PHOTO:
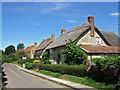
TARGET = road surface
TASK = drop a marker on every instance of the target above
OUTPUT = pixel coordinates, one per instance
(20, 79)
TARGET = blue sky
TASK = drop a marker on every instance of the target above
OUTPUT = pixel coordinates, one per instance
(32, 22)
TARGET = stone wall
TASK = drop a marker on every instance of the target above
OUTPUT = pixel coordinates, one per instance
(87, 39)
(38, 53)
(55, 53)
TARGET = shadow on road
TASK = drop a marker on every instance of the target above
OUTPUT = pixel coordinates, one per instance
(4, 79)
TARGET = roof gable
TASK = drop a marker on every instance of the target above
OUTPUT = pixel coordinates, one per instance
(110, 38)
(72, 34)
(29, 48)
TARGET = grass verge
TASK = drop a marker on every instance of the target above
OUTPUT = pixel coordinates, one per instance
(85, 81)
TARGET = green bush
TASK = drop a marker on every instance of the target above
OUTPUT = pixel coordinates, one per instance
(20, 61)
(29, 60)
(77, 70)
(106, 69)
(45, 58)
(29, 65)
(74, 54)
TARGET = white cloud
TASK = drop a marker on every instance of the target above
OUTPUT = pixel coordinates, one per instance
(54, 7)
(71, 21)
(37, 24)
(115, 14)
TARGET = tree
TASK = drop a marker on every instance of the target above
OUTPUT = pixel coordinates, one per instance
(21, 53)
(9, 49)
(20, 46)
(74, 53)
(3, 53)
(45, 58)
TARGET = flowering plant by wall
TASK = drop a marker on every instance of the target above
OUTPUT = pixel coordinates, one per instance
(36, 61)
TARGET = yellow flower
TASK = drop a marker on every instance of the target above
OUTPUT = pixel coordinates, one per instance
(36, 61)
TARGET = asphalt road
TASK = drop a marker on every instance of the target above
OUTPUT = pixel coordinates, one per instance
(20, 79)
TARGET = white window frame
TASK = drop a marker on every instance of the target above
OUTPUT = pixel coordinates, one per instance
(99, 40)
(50, 50)
(32, 51)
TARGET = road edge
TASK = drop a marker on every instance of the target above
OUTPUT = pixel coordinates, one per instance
(61, 81)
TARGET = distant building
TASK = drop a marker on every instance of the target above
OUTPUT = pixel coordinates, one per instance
(31, 50)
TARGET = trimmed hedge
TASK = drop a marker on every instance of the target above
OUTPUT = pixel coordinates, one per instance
(76, 70)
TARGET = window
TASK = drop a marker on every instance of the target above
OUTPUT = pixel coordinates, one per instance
(63, 48)
(50, 50)
(98, 40)
(32, 51)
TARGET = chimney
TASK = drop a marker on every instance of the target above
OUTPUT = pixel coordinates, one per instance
(91, 21)
(63, 30)
(53, 37)
(36, 43)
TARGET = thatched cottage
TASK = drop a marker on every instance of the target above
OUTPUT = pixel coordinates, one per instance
(42, 47)
(94, 42)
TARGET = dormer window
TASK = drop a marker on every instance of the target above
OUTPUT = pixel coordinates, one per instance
(98, 40)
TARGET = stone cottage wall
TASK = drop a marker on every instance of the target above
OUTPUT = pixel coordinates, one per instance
(87, 39)
(53, 54)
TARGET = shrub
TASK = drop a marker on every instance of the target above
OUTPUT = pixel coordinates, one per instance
(74, 53)
(29, 65)
(77, 70)
(20, 61)
(45, 58)
(106, 69)
(29, 60)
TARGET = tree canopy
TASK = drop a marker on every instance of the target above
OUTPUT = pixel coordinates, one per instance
(74, 53)
(21, 53)
(20, 46)
(10, 49)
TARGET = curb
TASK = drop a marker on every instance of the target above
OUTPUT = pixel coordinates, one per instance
(63, 82)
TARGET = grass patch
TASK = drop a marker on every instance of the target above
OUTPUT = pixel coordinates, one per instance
(85, 81)
(57, 75)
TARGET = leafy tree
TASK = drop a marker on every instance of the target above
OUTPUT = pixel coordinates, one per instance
(20, 46)
(9, 49)
(21, 53)
(3, 53)
(74, 53)
(45, 58)
(0, 57)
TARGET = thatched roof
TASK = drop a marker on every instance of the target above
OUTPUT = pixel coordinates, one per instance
(71, 34)
(44, 44)
(109, 37)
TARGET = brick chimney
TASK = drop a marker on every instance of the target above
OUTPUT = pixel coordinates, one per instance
(63, 30)
(36, 43)
(91, 21)
(53, 37)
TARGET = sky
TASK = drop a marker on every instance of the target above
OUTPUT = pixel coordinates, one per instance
(29, 22)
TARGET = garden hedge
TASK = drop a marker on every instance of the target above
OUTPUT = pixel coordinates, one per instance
(77, 70)
(29, 65)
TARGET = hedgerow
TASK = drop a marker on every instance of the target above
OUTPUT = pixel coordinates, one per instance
(77, 70)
